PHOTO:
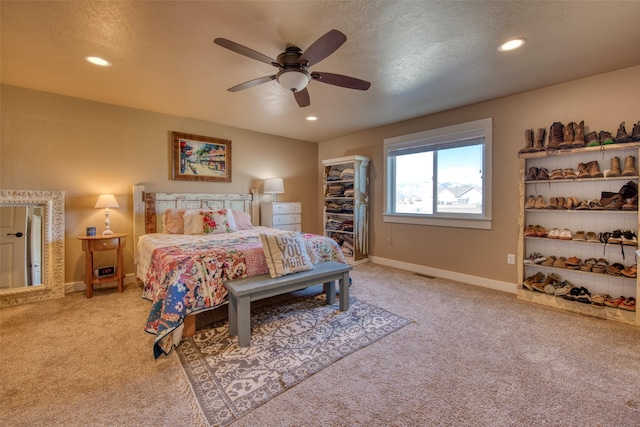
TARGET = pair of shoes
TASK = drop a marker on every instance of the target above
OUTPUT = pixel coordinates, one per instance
(631, 271)
(590, 170)
(584, 296)
(549, 262)
(614, 302)
(563, 288)
(572, 294)
(598, 300)
(629, 238)
(615, 269)
(535, 258)
(572, 203)
(530, 203)
(579, 236)
(600, 266)
(622, 136)
(592, 237)
(629, 304)
(573, 263)
(536, 278)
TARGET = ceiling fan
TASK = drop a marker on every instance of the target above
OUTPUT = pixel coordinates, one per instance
(293, 65)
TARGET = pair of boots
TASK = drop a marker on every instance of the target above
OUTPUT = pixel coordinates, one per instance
(566, 137)
(590, 170)
(533, 144)
(629, 167)
(622, 136)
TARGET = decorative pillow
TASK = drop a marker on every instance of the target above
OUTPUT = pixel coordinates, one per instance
(286, 253)
(216, 222)
(221, 222)
(243, 220)
(193, 222)
(173, 221)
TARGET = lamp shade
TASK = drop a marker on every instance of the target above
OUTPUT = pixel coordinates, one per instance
(293, 79)
(107, 201)
(273, 185)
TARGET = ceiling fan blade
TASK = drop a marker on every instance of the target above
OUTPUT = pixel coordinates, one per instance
(302, 97)
(252, 83)
(340, 80)
(243, 50)
(323, 47)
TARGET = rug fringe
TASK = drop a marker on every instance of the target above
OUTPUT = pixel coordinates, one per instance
(189, 399)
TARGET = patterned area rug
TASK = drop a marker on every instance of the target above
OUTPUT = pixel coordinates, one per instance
(290, 341)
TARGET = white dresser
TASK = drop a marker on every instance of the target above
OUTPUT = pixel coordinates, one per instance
(282, 215)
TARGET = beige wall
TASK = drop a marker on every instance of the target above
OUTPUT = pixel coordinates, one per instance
(52, 142)
(602, 101)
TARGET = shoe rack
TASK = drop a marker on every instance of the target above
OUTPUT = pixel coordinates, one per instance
(586, 188)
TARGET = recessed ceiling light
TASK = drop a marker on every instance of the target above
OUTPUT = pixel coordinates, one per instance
(97, 61)
(312, 118)
(512, 44)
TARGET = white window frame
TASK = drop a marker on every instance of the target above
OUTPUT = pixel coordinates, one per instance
(441, 136)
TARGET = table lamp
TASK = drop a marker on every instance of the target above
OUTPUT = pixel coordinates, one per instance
(107, 201)
(274, 186)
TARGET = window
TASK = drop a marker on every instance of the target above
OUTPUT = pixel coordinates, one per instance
(440, 176)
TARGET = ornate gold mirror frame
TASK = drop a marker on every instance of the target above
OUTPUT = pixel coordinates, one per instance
(52, 242)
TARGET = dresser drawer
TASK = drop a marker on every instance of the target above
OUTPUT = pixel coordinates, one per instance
(290, 227)
(287, 208)
(287, 219)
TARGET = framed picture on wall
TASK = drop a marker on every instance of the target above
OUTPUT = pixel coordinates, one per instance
(201, 158)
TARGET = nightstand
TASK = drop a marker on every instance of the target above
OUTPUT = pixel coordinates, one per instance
(91, 244)
(282, 215)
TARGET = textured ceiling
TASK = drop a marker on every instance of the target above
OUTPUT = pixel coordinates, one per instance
(420, 56)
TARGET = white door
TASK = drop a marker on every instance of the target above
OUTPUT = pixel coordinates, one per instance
(13, 246)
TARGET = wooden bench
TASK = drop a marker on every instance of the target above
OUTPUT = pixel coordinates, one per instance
(243, 291)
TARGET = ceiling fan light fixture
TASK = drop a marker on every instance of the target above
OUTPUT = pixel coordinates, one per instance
(293, 79)
(512, 44)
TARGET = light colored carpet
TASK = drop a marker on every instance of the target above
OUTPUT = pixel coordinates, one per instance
(471, 356)
(290, 341)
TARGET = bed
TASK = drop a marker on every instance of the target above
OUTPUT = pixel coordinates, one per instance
(182, 274)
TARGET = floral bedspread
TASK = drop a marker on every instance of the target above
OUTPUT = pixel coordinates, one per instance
(187, 278)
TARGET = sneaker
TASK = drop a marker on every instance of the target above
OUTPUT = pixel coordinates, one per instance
(565, 234)
(554, 233)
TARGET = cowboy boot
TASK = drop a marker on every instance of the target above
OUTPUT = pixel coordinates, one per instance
(594, 170)
(615, 167)
(592, 139)
(528, 141)
(539, 141)
(568, 136)
(555, 136)
(605, 138)
(622, 135)
(635, 133)
(629, 167)
(578, 140)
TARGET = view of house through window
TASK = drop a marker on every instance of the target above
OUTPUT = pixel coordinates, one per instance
(458, 184)
(439, 174)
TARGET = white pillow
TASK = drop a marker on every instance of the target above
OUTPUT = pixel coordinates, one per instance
(286, 253)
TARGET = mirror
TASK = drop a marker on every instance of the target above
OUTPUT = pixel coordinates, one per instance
(31, 246)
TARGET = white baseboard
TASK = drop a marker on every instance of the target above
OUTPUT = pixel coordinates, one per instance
(445, 274)
(81, 287)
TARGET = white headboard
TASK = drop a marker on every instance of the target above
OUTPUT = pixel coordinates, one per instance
(148, 208)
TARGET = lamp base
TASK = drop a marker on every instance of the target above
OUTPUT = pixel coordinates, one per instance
(107, 232)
